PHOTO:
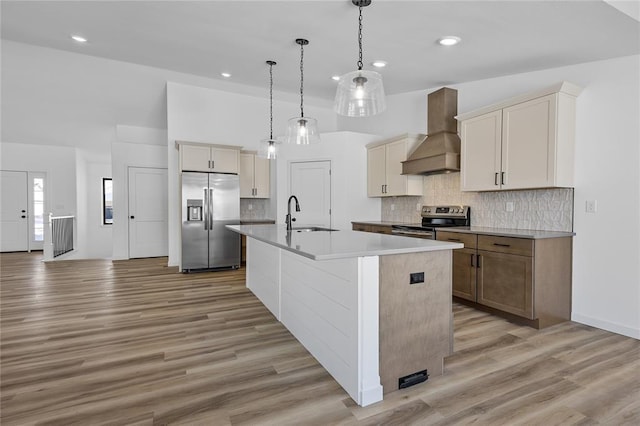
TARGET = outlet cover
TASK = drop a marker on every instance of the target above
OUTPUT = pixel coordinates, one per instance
(250, 207)
(509, 206)
(591, 206)
(393, 207)
(418, 207)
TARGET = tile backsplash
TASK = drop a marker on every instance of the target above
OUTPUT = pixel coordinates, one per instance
(540, 209)
(254, 208)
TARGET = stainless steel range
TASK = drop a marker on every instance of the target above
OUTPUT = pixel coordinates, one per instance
(433, 218)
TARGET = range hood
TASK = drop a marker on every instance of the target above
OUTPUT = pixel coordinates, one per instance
(439, 152)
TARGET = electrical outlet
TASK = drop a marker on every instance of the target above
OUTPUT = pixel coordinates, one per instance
(250, 207)
(393, 207)
(418, 207)
(591, 206)
(416, 278)
(509, 206)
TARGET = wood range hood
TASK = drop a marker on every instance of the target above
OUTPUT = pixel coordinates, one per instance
(439, 152)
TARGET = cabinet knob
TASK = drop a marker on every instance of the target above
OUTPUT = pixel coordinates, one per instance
(132, 217)
(23, 216)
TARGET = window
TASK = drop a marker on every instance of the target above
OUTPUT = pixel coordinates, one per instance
(38, 209)
(107, 201)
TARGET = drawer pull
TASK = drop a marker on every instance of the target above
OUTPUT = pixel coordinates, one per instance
(502, 245)
(454, 239)
(495, 179)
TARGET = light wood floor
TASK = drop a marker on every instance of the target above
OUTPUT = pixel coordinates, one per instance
(134, 342)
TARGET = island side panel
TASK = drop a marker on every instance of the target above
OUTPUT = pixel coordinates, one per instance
(263, 274)
(320, 308)
(415, 319)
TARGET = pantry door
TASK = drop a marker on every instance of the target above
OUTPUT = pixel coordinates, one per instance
(14, 216)
(148, 212)
(310, 182)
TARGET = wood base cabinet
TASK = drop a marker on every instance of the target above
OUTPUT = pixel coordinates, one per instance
(524, 279)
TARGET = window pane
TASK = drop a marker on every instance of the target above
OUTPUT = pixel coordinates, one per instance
(38, 209)
(107, 201)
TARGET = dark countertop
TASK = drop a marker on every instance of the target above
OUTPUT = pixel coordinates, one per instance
(360, 222)
(506, 232)
(257, 221)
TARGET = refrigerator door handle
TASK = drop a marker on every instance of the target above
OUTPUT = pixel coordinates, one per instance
(210, 208)
(206, 210)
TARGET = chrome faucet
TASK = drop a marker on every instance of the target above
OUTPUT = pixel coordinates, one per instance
(288, 220)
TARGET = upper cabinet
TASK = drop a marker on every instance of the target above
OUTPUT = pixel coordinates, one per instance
(524, 142)
(254, 176)
(384, 167)
(209, 158)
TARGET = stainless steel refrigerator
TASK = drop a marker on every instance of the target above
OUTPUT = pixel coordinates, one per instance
(209, 202)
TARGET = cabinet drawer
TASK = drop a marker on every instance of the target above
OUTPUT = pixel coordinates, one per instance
(360, 227)
(380, 229)
(469, 240)
(509, 245)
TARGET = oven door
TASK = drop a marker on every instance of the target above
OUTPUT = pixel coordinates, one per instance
(406, 231)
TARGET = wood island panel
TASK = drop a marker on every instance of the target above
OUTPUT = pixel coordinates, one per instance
(415, 319)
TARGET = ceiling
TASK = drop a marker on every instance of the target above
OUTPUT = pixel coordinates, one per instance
(206, 38)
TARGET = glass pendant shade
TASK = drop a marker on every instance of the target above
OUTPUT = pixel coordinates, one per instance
(268, 149)
(302, 131)
(360, 94)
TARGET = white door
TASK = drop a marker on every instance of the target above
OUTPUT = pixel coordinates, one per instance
(14, 217)
(148, 210)
(310, 182)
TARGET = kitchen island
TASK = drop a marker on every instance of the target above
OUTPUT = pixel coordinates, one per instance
(374, 310)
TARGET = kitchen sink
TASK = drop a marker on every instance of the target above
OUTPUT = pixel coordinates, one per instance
(312, 229)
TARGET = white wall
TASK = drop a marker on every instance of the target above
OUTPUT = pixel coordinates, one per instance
(606, 271)
(199, 114)
(348, 156)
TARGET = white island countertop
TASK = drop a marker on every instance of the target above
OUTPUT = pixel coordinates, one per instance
(326, 245)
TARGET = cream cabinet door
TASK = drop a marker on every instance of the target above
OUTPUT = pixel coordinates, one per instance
(376, 170)
(480, 167)
(396, 153)
(195, 158)
(528, 144)
(262, 176)
(225, 160)
(246, 175)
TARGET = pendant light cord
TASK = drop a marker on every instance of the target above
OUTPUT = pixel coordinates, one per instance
(271, 101)
(301, 80)
(360, 39)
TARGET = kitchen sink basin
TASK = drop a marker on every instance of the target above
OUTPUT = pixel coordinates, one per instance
(312, 229)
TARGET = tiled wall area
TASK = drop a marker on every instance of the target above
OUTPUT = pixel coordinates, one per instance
(254, 209)
(541, 209)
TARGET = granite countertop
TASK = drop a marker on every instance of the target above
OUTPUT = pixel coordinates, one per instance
(325, 245)
(506, 232)
(379, 223)
(256, 221)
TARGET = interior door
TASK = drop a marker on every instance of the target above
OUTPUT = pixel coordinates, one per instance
(14, 207)
(148, 211)
(310, 182)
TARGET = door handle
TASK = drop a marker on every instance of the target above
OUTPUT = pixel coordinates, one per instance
(478, 260)
(472, 265)
(502, 178)
(210, 208)
(495, 179)
(206, 209)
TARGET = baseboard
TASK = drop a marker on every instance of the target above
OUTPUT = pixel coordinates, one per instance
(370, 396)
(606, 325)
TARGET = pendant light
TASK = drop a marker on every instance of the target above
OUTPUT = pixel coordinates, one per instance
(360, 93)
(302, 130)
(268, 146)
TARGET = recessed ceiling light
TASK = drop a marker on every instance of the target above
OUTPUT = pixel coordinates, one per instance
(225, 74)
(449, 40)
(78, 38)
(379, 64)
(335, 77)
